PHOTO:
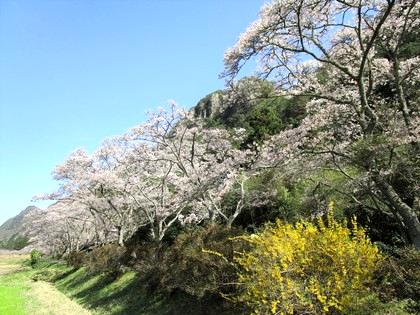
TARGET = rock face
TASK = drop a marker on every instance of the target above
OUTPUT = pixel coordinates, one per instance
(18, 224)
(210, 105)
(239, 98)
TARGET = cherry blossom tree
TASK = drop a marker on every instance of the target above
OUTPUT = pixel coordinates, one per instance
(97, 184)
(168, 170)
(347, 57)
(181, 171)
(64, 227)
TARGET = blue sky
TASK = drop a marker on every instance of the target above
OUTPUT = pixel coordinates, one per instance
(73, 72)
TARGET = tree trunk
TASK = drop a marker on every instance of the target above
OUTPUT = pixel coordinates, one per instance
(234, 215)
(120, 236)
(409, 216)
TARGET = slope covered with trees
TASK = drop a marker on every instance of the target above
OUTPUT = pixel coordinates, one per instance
(14, 233)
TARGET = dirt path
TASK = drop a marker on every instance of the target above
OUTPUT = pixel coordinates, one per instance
(19, 295)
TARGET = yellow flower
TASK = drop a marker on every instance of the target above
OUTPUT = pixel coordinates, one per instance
(313, 267)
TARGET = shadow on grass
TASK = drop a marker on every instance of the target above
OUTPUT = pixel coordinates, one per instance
(76, 279)
(129, 299)
(109, 294)
(91, 292)
(63, 275)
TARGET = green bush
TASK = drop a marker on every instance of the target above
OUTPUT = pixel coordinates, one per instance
(106, 258)
(36, 256)
(398, 278)
(189, 265)
(75, 259)
(185, 266)
(371, 304)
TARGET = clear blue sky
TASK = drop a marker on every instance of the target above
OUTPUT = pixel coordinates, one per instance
(73, 72)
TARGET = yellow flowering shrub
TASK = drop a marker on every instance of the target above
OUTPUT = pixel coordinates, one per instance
(305, 268)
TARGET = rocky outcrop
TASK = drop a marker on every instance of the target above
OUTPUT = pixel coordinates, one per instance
(210, 105)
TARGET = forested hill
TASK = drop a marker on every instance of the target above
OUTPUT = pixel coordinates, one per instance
(16, 224)
(14, 232)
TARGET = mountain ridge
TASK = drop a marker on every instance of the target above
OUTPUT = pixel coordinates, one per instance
(16, 225)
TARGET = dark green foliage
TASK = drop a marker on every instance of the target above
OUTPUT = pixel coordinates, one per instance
(178, 274)
(75, 259)
(270, 197)
(399, 166)
(270, 116)
(36, 257)
(16, 242)
(398, 278)
(372, 305)
(187, 267)
(266, 117)
(106, 258)
(252, 104)
(382, 228)
(183, 266)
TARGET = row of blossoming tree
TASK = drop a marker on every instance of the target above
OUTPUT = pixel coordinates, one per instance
(168, 170)
(351, 59)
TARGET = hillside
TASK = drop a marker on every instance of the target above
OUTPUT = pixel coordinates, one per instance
(17, 225)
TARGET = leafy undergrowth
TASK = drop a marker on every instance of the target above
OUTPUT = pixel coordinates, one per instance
(123, 294)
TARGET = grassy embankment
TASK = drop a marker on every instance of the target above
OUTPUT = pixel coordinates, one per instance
(54, 288)
(20, 295)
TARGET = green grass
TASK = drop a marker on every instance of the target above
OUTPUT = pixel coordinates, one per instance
(106, 294)
(13, 286)
(26, 292)
(125, 294)
(21, 295)
(12, 298)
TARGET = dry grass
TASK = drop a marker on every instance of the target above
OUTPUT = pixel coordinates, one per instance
(52, 302)
(7, 269)
(10, 261)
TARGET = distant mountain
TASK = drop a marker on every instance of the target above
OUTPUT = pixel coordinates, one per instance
(16, 225)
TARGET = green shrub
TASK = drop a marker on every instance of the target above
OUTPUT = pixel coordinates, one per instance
(36, 256)
(46, 275)
(106, 258)
(189, 266)
(371, 304)
(16, 242)
(398, 277)
(75, 259)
